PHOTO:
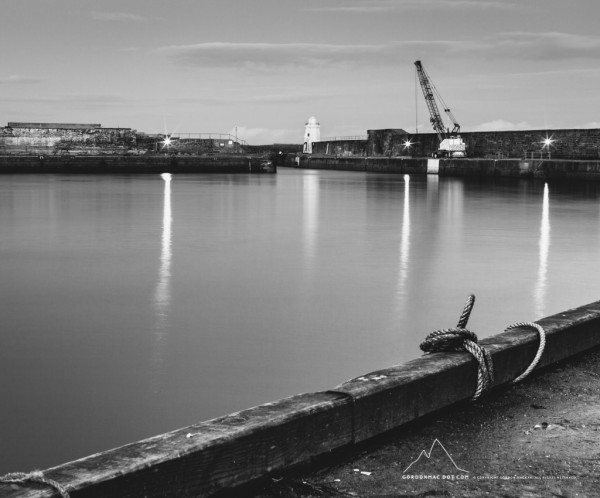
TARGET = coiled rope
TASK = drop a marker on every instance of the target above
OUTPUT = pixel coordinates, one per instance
(35, 476)
(460, 339)
(541, 347)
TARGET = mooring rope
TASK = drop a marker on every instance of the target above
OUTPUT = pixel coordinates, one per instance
(35, 476)
(541, 347)
(460, 339)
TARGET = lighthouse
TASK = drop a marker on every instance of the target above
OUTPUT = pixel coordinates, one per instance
(312, 133)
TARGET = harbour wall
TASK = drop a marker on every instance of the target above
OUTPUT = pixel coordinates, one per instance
(220, 163)
(93, 139)
(547, 169)
(582, 144)
(220, 454)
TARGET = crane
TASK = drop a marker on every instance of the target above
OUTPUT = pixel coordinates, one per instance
(451, 145)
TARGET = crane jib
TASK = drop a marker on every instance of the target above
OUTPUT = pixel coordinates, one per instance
(457, 147)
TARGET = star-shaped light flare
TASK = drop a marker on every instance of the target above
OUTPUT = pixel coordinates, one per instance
(548, 141)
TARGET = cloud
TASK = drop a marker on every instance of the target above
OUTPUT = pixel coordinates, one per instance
(518, 46)
(260, 95)
(15, 79)
(378, 6)
(545, 46)
(591, 124)
(299, 55)
(269, 135)
(501, 125)
(79, 101)
(116, 16)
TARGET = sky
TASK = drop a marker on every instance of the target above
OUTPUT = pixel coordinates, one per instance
(261, 68)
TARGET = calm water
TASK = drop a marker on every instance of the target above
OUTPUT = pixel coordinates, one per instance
(134, 305)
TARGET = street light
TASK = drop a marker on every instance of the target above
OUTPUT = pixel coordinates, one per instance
(547, 143)
(407, 144)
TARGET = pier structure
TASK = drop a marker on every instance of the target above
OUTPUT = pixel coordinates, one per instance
(91, 148)
(570, 144)
(20, 138)
(64, 138)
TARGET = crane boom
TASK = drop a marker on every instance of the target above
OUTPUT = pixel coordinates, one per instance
(452, 146)
(436, 118)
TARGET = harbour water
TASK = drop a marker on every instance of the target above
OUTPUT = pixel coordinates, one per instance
(137, 304)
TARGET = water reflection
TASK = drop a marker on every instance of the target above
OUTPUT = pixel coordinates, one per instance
(404, 248)
(310, 218)
(268, 326)
(544, 249)
(162, 294)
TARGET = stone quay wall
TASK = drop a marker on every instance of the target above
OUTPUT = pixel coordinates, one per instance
(546, 169)
(583, 144)
(92, 139)
(129, 164)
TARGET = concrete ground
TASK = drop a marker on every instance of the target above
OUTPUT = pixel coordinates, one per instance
(540, 438)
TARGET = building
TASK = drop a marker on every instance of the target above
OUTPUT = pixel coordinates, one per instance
(312, 133)
(48, 138)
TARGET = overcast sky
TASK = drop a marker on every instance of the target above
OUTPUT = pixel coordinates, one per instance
(266, 66)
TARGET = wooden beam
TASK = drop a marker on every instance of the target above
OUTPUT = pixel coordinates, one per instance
(386, 399)
(228, 451)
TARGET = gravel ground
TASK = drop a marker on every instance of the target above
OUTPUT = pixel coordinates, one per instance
(539, 438)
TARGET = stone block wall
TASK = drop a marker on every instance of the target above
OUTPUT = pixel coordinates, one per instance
(341, 148)
(48, 140)
(566, 144)
(78, 139)
(581, 144)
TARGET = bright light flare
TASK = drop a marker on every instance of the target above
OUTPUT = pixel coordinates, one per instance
(548, 141)
(407, 144)
(167, 141)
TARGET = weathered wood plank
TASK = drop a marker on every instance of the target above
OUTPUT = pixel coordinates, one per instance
(388, 398)
(210, 456)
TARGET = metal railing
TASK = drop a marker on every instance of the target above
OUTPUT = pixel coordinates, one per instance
(208, 136)
(339, 139)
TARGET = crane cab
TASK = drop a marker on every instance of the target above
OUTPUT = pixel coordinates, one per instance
(451, 147)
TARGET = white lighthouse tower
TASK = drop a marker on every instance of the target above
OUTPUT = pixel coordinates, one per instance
(312, 133)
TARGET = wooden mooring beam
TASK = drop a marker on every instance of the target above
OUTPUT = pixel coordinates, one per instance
(228, 451)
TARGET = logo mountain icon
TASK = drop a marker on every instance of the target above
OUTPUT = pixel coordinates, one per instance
(441, 456)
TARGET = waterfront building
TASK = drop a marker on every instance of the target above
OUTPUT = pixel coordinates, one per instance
(312, 133)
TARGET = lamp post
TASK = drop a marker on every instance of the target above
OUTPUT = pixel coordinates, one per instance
(166, 143)
(547, 142)
(407, 144)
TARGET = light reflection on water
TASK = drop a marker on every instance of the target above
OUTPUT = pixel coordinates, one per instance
(162, 294)
(118, 326)
(310, 218)
(404, 247)
(544, 245)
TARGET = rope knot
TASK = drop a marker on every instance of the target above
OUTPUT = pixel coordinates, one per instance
(446, 340)
(460, 339)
